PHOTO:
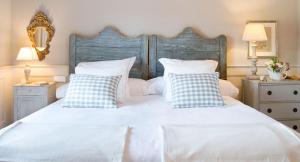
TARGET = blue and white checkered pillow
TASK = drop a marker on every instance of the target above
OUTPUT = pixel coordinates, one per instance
(89, 91)
(195, 90)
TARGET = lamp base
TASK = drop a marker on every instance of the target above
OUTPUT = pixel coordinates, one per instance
(27, 72)
(254, 67)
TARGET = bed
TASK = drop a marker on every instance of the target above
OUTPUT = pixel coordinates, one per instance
(152, 131)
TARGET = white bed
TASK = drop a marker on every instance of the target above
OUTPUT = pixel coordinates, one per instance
(145, 115)
(147, 128)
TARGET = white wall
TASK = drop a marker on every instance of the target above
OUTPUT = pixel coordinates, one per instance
(5, 59)
(298, 55)
(5, 95)
(166, 17)
(5, 32)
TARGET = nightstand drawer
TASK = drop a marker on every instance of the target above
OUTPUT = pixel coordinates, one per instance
(281, 110)
(280, 93)
(31, 91)
(31, 98)
(29, 104)
(294, 124)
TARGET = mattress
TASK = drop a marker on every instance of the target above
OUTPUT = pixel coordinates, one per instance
(145, 115)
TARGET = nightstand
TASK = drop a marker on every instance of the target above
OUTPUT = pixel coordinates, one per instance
(30, 98)
(278, 99)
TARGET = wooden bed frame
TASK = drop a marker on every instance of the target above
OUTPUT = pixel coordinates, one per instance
(110, 44)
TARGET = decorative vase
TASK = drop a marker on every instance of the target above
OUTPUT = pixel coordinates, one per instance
(277, 75)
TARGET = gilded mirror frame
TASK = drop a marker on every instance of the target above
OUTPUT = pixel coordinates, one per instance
(40, 20)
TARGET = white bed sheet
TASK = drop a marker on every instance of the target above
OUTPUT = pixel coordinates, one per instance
(144, 115)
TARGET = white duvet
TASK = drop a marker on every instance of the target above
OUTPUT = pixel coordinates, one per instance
(230, 143)
(146, 115)
(28, 142)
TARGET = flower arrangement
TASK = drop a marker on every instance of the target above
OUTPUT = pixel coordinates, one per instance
(276, 66)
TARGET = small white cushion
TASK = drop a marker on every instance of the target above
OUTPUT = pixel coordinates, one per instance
(185, 67)
(228, 89)
(155, 86)
(137, 87)
(110, 68)
(61, 91)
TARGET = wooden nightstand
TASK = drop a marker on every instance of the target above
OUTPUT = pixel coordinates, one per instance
(30, 98)
(277, 99)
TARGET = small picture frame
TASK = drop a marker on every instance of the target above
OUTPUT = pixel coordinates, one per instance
(269, 48)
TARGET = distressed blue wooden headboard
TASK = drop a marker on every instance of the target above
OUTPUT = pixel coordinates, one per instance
(188, 45)
(110, 44)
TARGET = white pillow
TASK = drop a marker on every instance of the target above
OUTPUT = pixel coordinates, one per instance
(228, 89)
(185, 67)
(137, 87)
(155, 86)
(110, 68)
(61, 91)
(108, 63)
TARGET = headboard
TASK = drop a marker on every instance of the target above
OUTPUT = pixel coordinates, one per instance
(188, 45)
(110, 44)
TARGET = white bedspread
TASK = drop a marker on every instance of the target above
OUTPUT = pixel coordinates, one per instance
(28, 142)
(230, 143)
(145, 115)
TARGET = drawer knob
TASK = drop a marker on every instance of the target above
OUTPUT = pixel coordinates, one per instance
(269, 93)
(295, 127)
(295, 92)
(269, 110)
(295, 110)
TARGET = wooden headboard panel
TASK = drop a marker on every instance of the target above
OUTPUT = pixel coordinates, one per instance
(110, 44)
(188, 45)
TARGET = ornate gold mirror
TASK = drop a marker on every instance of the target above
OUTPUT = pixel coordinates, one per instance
(40, 32)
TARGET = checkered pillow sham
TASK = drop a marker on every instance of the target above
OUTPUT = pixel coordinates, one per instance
(195, 90)
(89, 91)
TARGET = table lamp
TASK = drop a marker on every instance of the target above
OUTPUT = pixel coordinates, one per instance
(27, 54)
(253, 33)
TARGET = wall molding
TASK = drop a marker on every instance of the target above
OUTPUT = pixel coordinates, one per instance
(41, 66)
(6, 67)
(61, 65)
(43, 70)
(259, 66)
(241, 71)
(233, 70)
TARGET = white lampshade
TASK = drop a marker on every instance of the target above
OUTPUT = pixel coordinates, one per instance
(27, 54)
(255, 32)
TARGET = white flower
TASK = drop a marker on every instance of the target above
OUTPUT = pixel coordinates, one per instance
(269, 63)
(279, 65)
